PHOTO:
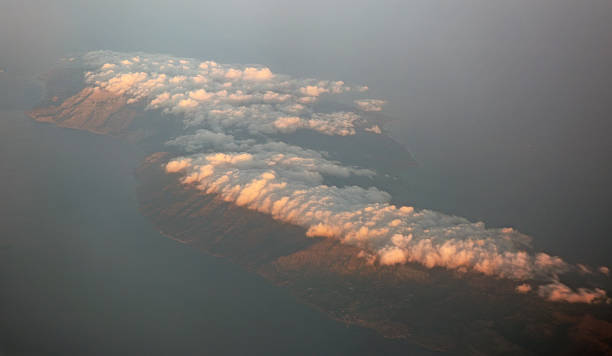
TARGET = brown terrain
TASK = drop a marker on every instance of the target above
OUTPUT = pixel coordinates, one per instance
(94, 110)
(447, 311)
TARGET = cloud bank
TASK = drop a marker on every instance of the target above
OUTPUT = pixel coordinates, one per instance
(232, 114)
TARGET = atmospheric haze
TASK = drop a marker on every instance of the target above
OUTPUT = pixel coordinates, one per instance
(502, 109)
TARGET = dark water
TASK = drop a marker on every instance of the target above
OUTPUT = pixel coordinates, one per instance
(83, 273)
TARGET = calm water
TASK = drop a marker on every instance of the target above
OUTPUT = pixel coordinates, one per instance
(82, 272)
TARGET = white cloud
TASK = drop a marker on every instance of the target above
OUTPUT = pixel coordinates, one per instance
(559, 292)
(200, 95)
(288, 123)
(233, 73)
(123, 82)
(370, 104)
(178, 165)
(313, 90)
(374, 129)
(523, 288)
(251, 73)
(187, 103)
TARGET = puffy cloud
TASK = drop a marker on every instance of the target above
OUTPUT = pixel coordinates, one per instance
(124, 82)
(523, 288)
(187, 103)
(251, 73)
(233, 73)
(337, 123)
(313, 90)
(200, 95)
(553, 264)
(178, 165)
(605, 270)
(159, 100)
(370, 104)
(559, 292)
(178, 79)
(288, 123)
(374, 129)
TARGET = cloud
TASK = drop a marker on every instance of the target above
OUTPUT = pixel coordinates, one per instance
(288, 123)
(313, 90)
(231, 115)
(339, 123)
(221, 97)
(604, 270)
(200, 95)
(374, 129)
(287, 182)
(188, 103)
(559, 292)
(124, 82)
(370, 104)
(523, 288)
(251, 73)
(178, 165)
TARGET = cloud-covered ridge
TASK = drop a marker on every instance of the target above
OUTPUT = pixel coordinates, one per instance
(222, 97)
(232, 114)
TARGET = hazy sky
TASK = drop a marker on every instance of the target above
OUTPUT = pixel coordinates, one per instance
(509, 102)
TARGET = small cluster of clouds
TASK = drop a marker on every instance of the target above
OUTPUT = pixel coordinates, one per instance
(559, 292)
(370, 104)
(220, 102)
